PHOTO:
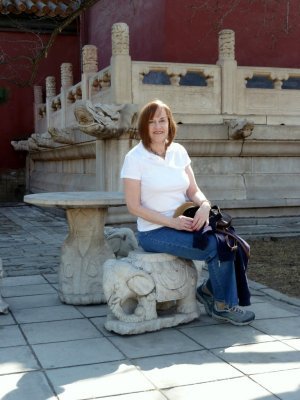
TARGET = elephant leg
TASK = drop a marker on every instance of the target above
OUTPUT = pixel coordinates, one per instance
(187, 305)
(147, 307)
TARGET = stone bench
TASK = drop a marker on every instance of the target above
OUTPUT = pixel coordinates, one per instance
(149, 291)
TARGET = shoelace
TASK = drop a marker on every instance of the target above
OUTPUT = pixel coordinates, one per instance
(236, 309)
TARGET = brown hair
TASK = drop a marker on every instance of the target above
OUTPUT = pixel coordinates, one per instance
(147, 114)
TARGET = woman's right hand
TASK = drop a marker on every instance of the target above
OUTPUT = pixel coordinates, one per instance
(182, 223)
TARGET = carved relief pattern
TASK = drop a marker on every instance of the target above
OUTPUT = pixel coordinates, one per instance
(120, 39)
(151, 281)
(89, 59)
(83, 253)
(66, 70)
(50, 86)
(74, 94)
(227, 45)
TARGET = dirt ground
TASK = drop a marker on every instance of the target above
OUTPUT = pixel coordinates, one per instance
(275, 262)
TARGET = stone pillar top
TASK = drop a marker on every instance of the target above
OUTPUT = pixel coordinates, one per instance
(66, 71)
(50, 86)
(226, 45)
(120, 39)
(89, 58)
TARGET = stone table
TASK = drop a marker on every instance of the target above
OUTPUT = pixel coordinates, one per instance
(85, 248)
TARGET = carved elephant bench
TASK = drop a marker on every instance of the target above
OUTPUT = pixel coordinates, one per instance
(149, 291)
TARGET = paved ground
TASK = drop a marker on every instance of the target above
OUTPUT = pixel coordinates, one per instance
(49, 350)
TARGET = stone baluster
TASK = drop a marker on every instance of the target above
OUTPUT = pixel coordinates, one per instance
(66, 76)
(120, 65)
(89, 68)
(50, 86)
(278, 79)
(50, 93)
(66, 71)
(228, 66)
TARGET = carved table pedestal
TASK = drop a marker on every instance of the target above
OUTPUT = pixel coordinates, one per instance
(85, 248)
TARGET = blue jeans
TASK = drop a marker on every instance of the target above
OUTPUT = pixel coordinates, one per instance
(180, 243)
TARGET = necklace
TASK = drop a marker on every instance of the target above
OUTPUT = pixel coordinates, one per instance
(162, 155)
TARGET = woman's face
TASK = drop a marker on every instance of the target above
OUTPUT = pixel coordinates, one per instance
(159, 127)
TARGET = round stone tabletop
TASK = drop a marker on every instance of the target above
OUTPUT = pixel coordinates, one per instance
(76, 199)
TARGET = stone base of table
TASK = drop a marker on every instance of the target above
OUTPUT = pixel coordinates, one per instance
(83, 254)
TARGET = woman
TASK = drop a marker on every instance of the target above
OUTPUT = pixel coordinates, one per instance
(158, 178)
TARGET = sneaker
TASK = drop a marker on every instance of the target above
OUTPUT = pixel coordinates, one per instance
(206, 299)
(234, 315)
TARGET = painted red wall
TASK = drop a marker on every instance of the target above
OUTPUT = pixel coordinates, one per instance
(16, 115)
(267, 31)
(146, 21)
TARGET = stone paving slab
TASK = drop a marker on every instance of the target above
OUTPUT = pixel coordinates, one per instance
(54, 351)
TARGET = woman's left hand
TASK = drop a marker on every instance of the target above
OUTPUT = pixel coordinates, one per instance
(201, 217)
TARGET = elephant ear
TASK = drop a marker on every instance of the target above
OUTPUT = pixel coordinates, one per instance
(141, 285)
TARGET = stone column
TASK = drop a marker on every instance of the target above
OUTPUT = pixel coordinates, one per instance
(228, 70)
(89, 67)
(120, 64)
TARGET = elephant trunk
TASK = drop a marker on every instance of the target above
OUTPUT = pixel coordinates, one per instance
(119, 312)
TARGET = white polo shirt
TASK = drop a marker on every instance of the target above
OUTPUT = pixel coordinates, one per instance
(164, 182)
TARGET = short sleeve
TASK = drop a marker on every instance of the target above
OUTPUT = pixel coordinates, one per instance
(185, 157)
(131, 168)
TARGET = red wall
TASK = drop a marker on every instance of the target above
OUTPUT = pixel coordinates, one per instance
(146, 28)
(16, 114)
(267, 31)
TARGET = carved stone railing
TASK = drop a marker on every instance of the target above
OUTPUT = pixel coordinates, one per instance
(185, 100)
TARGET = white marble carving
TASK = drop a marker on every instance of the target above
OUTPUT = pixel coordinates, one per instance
(226, 44)
(50, 86)
(85, 248)
(64, 136)
(3, 306)
(120, 38)
(105, 121)
(239, 128)
(43, 140)
(121, 240)
(149, 291)
(25, 145)
(89, 59)
(66, 72)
